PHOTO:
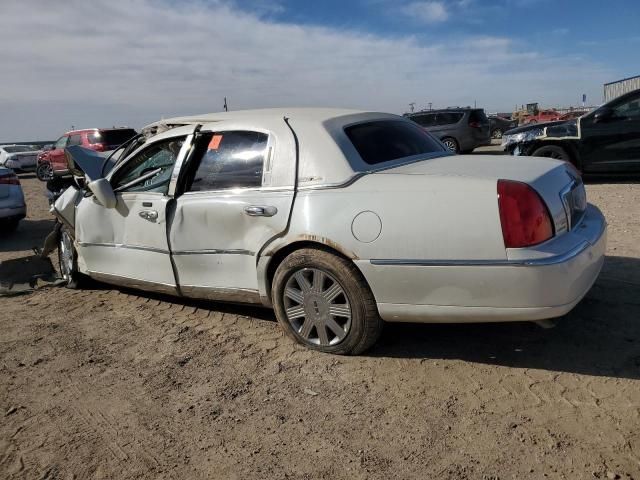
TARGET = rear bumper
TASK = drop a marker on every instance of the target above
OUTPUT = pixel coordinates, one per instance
(531, 284)
(13, 213)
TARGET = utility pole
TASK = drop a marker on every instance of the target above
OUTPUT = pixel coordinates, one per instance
(430, 105)
(412, 106)
(226, 108)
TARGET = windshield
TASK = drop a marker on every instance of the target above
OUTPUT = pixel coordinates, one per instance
(17, 149)
(387, 140)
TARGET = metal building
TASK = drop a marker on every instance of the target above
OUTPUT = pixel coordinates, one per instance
(615, 89)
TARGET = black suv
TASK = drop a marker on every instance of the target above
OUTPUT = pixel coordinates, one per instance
(460, 129)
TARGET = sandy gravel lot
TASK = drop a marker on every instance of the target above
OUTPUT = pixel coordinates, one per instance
(106, 383)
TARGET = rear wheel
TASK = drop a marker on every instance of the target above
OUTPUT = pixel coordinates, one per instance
(451, 144)
(497, 133)
(323, 302)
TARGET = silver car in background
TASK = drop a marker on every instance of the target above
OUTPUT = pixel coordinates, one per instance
(18, 157)
(12, 205)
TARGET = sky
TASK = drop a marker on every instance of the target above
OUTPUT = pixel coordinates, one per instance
(97, 63)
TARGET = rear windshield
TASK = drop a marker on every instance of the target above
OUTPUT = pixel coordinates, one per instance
(387, 140)
(18, 148)
(111, 137)
(478, 116)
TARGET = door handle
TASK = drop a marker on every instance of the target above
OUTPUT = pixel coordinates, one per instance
(149, 214)
(260, 210)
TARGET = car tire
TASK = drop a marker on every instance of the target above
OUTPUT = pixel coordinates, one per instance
(311, 283)
(497, 133)
(68, 260)
(44, 172)
(552, 151)
(451, 144)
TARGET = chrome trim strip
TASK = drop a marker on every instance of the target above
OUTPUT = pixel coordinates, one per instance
(219, 294)
(329, 186)
(133, 282)
(239, 190)
(213, 251)
(120, 245)
(534, 262)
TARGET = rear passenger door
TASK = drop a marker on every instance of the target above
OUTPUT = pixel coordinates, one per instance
(229, 210)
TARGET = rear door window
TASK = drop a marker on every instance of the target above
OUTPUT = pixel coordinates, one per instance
(478, 116)
(425, 120)
(75, 139)
(387, 140)
(112, 138)
(233, 159)
(449, 118)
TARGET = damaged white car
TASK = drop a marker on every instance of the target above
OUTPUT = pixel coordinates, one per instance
(337, 219)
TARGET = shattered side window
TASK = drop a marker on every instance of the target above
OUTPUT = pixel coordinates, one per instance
(152, 167)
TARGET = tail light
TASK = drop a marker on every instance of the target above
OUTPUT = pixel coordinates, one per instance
(474, 124)
(524, 216)
(10, 179)
(98, 147)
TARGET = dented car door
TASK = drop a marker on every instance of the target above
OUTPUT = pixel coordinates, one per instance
(238, 191)
(128, 244)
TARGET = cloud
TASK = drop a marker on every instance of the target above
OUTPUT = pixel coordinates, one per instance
(427, 12)
(133, 61)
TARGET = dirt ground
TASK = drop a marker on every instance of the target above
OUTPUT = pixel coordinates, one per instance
(107, 383)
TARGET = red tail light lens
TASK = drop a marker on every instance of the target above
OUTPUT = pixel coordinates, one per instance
(9, 180)
(474, 124)
(524, 216)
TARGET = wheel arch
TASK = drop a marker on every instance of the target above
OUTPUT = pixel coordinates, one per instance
(272, 258)
(568, 147)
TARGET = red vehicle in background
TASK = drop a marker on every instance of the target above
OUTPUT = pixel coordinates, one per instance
(52, 160)
(542, 116)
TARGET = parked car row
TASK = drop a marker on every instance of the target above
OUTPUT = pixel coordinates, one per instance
(337, 219)
(53, 161)
(606, 140)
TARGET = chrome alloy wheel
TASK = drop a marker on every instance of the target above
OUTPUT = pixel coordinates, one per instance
(450, 144)
(317, 307)
(66, 256)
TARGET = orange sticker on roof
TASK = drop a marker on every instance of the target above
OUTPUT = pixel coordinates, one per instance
(214, 144)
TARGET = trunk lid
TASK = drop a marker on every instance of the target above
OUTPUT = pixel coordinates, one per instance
(550, 178)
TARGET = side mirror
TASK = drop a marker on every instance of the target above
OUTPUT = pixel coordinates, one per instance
(103, 192)
(602, 115)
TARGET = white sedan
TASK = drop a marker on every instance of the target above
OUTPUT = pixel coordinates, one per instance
(18, 157)
(337, 219)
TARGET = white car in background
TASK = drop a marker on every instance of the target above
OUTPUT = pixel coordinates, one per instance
(337, 219)
(18, 157)
(12, 205)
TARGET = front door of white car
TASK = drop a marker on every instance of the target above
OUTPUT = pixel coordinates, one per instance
(229, 210)
(129, 243)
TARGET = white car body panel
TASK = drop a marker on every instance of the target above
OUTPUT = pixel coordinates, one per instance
(426, 235)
